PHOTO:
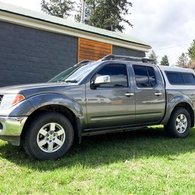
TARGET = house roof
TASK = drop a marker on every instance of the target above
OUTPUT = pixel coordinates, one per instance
(26, 17)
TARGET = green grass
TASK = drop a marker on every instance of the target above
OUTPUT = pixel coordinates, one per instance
(141, 162)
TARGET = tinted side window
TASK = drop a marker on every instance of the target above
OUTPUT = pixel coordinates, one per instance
(117, 73)
(152, 77)
(144, 76)
(178, 78)
(188, 78)
(175, 78)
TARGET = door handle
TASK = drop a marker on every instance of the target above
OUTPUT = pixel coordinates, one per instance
(157, 93)
(128, 94)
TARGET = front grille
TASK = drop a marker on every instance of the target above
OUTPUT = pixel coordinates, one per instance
(1, 97)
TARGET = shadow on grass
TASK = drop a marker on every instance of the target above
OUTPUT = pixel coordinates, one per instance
(105, 149)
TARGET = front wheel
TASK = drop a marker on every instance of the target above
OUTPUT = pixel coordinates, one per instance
(179, 124)
(49, 136)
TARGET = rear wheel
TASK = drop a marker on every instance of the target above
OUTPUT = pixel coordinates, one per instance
(49, 136)
(179, 123)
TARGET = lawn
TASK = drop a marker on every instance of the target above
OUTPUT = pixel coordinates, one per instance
(140, 162)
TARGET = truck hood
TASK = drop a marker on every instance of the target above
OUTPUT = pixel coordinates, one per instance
(33, 89)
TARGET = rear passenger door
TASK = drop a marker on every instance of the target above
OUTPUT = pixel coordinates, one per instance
(149, 94)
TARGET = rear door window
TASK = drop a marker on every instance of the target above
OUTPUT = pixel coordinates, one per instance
(144, 76)
(152, 77)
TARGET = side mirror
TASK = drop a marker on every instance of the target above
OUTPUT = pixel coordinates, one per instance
(102, 79)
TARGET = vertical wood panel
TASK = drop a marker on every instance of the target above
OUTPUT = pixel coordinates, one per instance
(92, 50)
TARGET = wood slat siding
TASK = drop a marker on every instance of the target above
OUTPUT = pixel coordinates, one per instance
(92, 50)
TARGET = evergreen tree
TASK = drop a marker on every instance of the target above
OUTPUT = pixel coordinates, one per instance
(191, 54)
(183, 60)
(153, 56)
(191, 51)
(164, 61)
(59, 8)
(108, 14)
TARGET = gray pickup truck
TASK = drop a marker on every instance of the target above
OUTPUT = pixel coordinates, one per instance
(116, 93)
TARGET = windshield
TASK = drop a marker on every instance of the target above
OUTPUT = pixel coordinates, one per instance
(75, 74)
(63, 75)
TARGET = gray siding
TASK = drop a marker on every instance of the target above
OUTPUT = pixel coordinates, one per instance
(128, 52)
(29, 55)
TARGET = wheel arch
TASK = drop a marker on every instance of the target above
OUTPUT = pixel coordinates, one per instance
(65, 111)
(188, 107)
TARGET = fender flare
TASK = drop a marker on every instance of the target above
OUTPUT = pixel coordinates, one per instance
(173, 103)
(54, 99)
(48, 99)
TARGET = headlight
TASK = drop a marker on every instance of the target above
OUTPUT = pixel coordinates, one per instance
(10, 100)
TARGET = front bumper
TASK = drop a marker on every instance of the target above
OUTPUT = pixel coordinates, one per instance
(11, 129)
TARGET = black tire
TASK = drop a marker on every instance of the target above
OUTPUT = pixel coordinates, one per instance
(35, 135)
(177, 129)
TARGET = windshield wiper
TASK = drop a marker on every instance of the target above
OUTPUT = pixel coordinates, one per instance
(71, 81)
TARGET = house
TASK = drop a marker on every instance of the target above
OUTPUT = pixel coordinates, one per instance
(34, 46)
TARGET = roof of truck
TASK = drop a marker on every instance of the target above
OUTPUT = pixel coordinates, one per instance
(175, 68)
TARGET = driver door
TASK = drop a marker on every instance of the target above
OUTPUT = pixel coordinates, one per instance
(111, 104)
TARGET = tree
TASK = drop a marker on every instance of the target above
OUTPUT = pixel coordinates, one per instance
(183, 60)
(164, 61)
(107, 14)
(60, 8)
(153, 56)
(191, 51)
(191, 54)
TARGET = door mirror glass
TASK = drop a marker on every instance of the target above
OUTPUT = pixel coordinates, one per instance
(102, 79)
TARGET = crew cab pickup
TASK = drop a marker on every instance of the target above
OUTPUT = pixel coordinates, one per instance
(116, 93)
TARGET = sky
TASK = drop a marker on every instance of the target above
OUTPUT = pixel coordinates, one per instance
(168, 26)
